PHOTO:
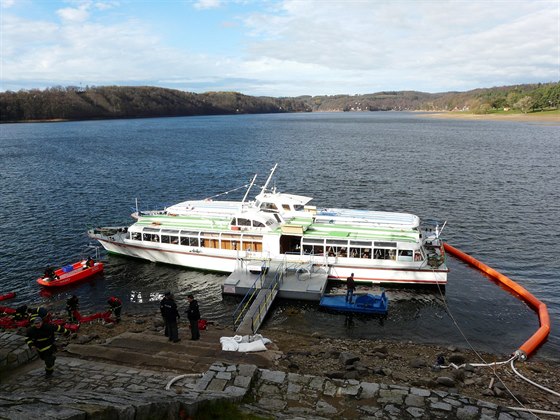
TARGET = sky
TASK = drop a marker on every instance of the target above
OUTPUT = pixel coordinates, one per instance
(279, 47)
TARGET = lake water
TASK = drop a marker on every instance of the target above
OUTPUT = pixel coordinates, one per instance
(495, 183)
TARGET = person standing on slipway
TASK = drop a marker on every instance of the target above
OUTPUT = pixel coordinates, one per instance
(169, 312)
(193, 314)
(350, 287)
(40, 336)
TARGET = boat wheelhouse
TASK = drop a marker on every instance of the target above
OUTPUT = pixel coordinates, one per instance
(378, 247)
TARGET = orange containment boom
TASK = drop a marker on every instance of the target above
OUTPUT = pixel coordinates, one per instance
(539, 337)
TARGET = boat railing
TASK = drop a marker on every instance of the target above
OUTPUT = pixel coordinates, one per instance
(258, 300)
(249, 297)
(269, 292)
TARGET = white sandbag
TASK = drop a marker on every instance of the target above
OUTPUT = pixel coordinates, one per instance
(257, 345)
(229, 344)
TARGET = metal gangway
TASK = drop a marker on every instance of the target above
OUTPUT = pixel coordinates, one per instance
(250, 313)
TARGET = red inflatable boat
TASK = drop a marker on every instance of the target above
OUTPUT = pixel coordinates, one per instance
(70, 274)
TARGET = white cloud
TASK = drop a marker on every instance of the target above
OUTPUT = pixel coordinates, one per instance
(422, 42)
(6, 4)
(207, 4)
(73, 14)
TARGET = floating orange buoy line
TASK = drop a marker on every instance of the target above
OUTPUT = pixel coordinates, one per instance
(539, 337)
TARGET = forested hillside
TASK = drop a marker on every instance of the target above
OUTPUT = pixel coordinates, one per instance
(72, 103)
(525, 98)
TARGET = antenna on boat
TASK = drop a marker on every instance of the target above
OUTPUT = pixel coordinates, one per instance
(440, 230)
(137, 212)
(249, 189)
(269, 178)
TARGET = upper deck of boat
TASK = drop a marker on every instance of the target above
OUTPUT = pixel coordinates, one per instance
(385, 227)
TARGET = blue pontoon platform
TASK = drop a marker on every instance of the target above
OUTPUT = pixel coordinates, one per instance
(363, 304)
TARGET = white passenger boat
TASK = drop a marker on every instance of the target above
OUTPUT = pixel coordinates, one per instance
(378, 247)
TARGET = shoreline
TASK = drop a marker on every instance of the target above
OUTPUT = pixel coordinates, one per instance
(536, 117)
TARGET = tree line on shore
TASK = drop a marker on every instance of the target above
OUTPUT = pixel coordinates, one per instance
(74, 103)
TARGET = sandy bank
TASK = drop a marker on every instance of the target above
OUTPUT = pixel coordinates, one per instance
(553, 119)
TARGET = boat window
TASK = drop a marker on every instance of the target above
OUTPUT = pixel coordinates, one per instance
(210, 240)
(361, 243)
(405, 254)
(312, 241)
(278, 219)
(257, 223)
(168, 239)
(230, 241)
(269, 206)
(148, 229)
(384, 254)
(252, 243)
(136, 236)
(299, 207)
(170, 231)
(189, 241)
(385, 244)
(243, 222)
(188, 233)
(151, 237)
(286, 207)
(338, 242)
(269, 222)
(318, 250)
(360, 252)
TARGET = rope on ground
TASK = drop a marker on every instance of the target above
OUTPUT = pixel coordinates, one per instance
(532, 382)
(550, 413)
(176, 378)
(485, 363)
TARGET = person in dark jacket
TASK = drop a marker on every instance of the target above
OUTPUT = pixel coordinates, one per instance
(170, 314)
(40, 336)
(115, 306)
(50, 274)
(350, 287)
(38, 312)
(72, 305)
(193, 314)
(89, 263)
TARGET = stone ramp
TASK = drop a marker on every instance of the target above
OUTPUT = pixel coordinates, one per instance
(84, 388)
(157, 352)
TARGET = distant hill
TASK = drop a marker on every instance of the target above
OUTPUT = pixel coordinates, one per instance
(73, 103)
(523, 97)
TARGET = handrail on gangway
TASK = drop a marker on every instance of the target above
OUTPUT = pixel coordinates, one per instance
(245, 303)
(252, 310)
(540, 336)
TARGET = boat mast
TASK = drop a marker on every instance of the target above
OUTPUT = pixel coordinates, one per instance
(269, 178)
(249, 189)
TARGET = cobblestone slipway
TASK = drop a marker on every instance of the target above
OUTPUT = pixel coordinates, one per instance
(92, 389)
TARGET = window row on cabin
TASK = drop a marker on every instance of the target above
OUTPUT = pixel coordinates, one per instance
(200, 239)
(360, 249)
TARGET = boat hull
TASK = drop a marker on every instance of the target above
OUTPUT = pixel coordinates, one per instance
(361, 304)
(226, 262)
(74, 274)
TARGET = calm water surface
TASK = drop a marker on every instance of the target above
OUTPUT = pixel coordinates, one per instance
(495, 183)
